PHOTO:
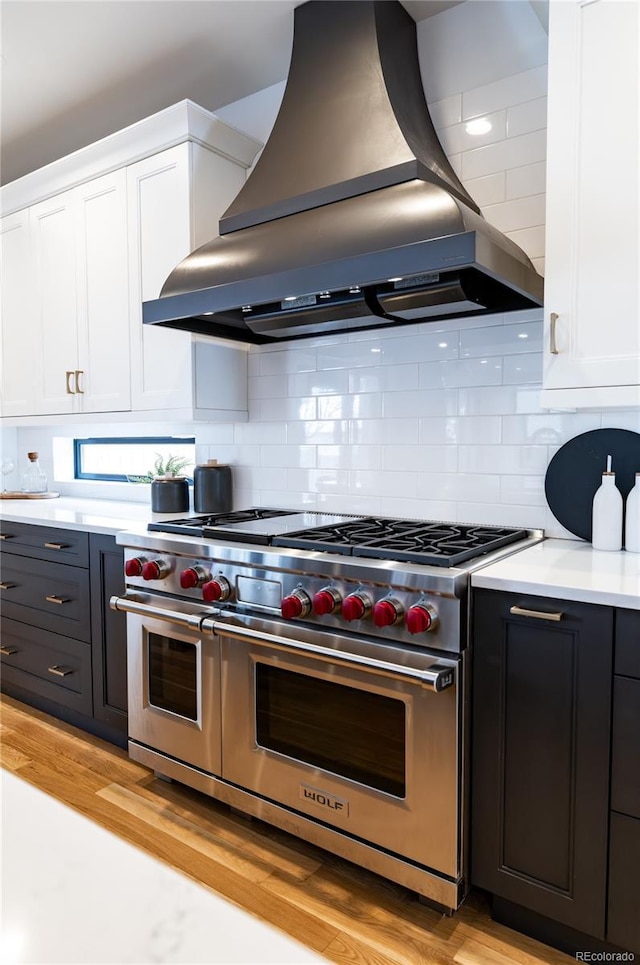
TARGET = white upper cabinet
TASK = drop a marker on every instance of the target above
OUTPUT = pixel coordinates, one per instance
(17, 328)
(592, 289)
(77, 265)
(176, 199)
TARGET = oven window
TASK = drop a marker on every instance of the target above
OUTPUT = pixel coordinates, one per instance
(173, 675)
(350, 732)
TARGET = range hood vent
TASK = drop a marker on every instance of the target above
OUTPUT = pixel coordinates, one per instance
(353, 217)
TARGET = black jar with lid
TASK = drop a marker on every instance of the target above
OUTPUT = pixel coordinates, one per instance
(170, 494)
(212, 492)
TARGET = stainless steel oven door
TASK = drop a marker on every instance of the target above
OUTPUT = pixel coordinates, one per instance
(360, 736)
(173, 679)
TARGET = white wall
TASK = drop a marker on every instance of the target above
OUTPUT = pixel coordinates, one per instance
(440, 420)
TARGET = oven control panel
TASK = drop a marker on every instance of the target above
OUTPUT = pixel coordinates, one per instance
(404, 614)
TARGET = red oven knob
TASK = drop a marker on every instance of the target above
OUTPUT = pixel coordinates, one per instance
(421, 618)
(133, 567)
(297, 604)
(155, 570)
(326, 601)
(217, 590)
(192, 577)
(355, 606)
(387, 612)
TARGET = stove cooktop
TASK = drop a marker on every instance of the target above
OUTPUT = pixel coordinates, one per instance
(402, 540)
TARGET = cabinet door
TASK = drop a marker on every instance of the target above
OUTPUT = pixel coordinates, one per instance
(541, 722)
(103, 379)
(17, 331)
(55, 347)
(159, 237)
(593, 204)
(108, 634)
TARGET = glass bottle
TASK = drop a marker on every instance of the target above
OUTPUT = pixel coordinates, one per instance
(34, 480)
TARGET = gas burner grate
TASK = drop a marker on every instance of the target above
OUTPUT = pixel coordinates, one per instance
(196, 525)
(405, 541)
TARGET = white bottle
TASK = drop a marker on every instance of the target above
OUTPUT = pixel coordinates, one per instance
(606, 519)
(632, 524)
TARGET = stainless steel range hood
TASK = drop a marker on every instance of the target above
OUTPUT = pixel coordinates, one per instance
(353, 217)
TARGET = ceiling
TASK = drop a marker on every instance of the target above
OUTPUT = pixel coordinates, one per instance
(74, 71)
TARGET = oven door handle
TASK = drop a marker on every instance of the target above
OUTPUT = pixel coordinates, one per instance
(435, 679)
(190, 621)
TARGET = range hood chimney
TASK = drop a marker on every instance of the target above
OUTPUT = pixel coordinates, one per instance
(353, 217)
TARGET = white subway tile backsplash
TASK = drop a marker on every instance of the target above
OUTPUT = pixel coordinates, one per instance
(401, 431)
(547, 428)
(424, 347)
(458, 430)
(268, 387)
(288, 456)
(399, 405)
(368, 405)
(490, 189)
(530, 116)
(501, 340)
(347, 356)
(502, 459)
(526, 180)
(316, 383)
(317, 433)
(510, 153)
(507, 92)
(447, 111)
(453, 487)
(385, 378)
(457, 139)
(433, 458)
(498, 400)
(286, 362)
(350, 457)
(282, 410)
(461, 372)
(364, 482)
(518, 213)
(519, 369)
(531, 240)
(256, 433)
(523, 490)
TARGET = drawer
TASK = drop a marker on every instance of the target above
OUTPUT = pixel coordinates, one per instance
(52, 596)
(47, 665)
(623, 925)
(625, 751)
(45, 543)
(627, 659)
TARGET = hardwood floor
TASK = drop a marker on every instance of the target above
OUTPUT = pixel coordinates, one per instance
(340, 911)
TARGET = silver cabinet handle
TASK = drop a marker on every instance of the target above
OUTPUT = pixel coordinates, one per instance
(54, 598)
(441, 677)
(6, 586)
(6, 535)
(553, 319)
(78, 373)
(8, 651)
(56, 546)
(58, 671)
(68, 375)
(520, 611)
(191, 621)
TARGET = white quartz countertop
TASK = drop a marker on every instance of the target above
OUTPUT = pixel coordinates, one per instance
(107, 516)
(74, 892)
(569, 570)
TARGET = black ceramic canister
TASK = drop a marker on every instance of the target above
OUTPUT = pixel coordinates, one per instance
(212, 488)
(170, 494)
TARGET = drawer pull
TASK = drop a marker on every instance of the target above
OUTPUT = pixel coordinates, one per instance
(57, 599)
(6, 586)
(520, 611)
(7, 651)
(58, 671)
(6, 535)
(56, 546)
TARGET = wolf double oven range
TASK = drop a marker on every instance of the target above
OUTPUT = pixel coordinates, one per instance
(310, 670)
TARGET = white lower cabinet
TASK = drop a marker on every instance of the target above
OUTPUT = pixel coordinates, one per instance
(592, 294)
(77, 265)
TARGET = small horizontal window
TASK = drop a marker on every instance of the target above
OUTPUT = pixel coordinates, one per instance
(133, 459)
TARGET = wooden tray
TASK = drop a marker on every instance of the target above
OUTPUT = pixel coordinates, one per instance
(10, 495)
